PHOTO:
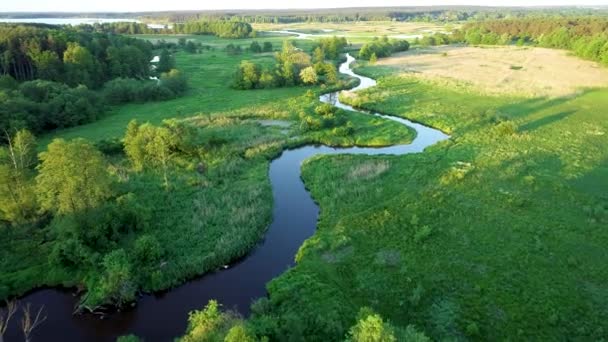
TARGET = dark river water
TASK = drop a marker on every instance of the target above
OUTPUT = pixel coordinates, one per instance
(161, 317)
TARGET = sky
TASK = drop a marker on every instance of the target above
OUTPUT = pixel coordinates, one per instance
(160, 5)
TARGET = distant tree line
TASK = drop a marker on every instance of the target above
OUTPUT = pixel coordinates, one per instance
(587, 37)
(412, 13)
(219, 28)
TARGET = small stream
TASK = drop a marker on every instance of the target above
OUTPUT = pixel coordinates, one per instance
(163, 316)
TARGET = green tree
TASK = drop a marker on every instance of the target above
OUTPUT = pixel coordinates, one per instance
(79, 65)
(72, 176)
(373, 59)
(309, 75)
(17, 191)
(288, 73)
(159, 151)
(255, 47)
(331, 73)
(248, 75)
(318, 55)
(165, 62)
(239, 333)
(117, 284)
(267, 47)
(135, 145)
(150, 145)
(371, 328)
(267, 79)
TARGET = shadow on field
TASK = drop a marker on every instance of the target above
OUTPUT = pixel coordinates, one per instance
(546, 120)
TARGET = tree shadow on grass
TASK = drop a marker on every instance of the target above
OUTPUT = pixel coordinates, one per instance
(546, 120)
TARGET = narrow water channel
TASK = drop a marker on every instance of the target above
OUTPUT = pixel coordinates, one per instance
(161, 317)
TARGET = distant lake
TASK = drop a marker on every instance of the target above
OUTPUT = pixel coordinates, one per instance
(73, 21)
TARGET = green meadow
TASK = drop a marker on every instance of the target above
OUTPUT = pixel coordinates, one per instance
(496, 233)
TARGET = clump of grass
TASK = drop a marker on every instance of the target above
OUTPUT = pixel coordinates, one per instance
(516, 67)
(369, 170)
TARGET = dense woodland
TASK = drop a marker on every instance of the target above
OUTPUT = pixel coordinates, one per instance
(62, 77)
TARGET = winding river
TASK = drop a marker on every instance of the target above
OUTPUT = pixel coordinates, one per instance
(161, 317)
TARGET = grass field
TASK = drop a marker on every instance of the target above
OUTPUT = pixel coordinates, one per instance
(497, 234)
(527, 71)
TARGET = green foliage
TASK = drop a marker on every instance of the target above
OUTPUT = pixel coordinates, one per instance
(268, 47)
(309, 75)
(330, 47)
(382, 47)
(255, 47)
(371, 328)
(220, 28)
(292, 67)
(152, 146)
(17, 191)
(166, 62)
(211, 324)
(248, 76)
(128, 338)
(175, 81)
(116, 283)
(70, 56)
(585, 36)
(72, 176)
(373, 59)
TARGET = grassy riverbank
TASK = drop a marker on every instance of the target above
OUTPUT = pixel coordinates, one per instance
(496, 233)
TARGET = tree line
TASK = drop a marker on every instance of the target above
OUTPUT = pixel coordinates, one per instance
(219, 28)
(408, 14)
(382, 47)
(586, 37)
(293, 67)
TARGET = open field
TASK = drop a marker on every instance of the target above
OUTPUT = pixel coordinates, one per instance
(494, 233)
(502, 70)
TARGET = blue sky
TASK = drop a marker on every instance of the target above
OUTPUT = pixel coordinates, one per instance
(158, 5)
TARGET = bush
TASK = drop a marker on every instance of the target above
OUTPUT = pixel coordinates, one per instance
(175, 81)
(267, 47)
(255, 47)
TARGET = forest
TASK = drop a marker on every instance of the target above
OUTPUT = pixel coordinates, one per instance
(54, 78)
(586, 37)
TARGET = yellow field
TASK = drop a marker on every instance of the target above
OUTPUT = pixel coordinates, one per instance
(500, 70)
